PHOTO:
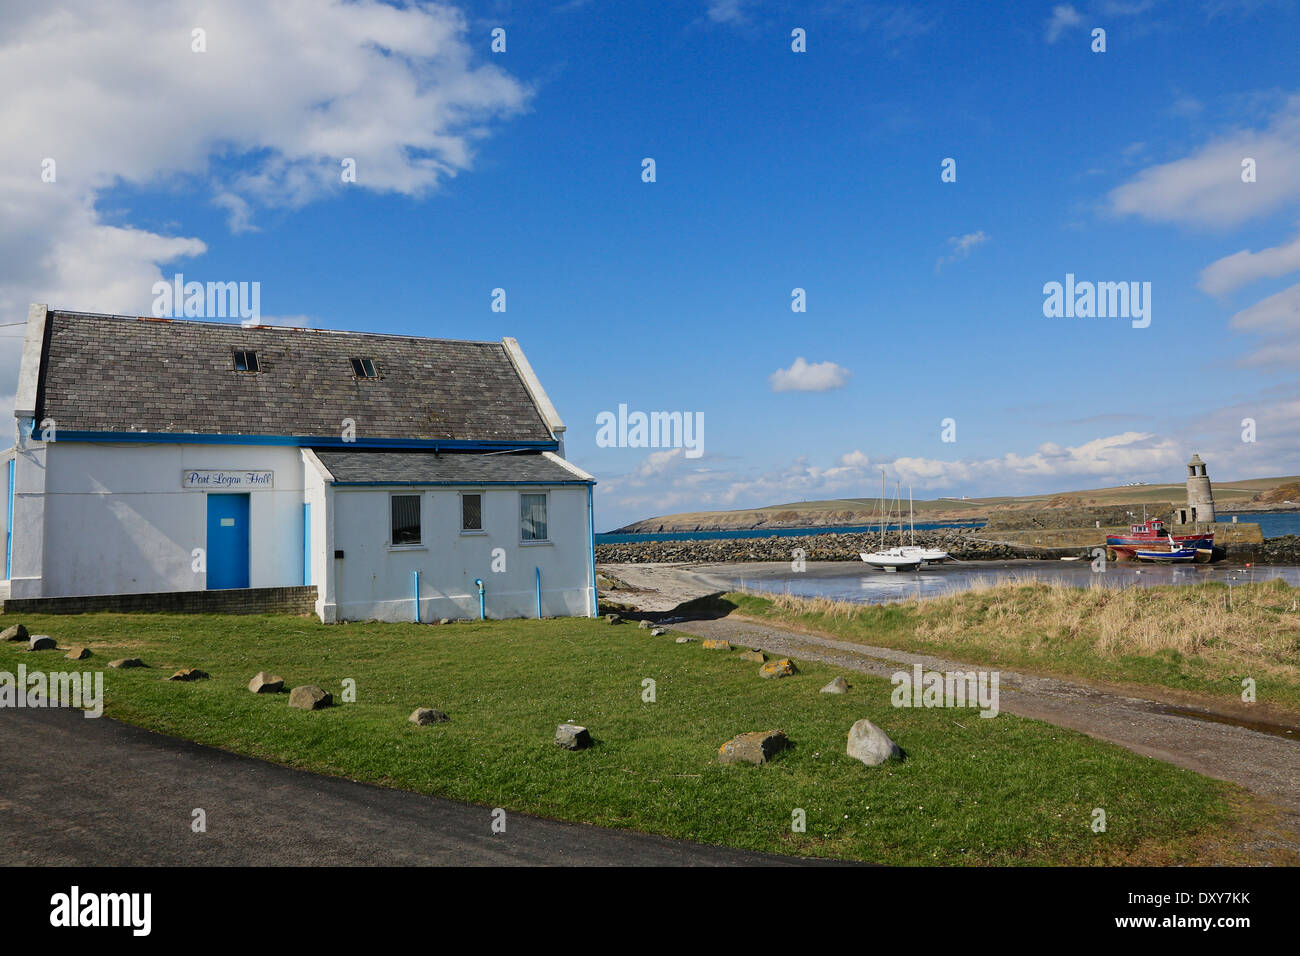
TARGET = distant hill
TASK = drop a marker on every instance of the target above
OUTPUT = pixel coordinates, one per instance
(1255, 494)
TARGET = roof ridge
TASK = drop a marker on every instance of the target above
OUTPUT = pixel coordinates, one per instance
(208, 323)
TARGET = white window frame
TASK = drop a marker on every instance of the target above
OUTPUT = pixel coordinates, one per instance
(418, 546)
(460, 519)
(534, 542)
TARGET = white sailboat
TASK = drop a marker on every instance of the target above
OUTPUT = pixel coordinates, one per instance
(890, 559)
(927, 555)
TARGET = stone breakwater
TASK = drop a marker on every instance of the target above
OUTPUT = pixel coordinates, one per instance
(963, 544)
(831, 546)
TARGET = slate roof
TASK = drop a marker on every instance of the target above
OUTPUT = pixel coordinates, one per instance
(118, 374)
(427, 467)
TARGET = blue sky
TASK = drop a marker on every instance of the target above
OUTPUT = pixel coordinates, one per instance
(774, 170)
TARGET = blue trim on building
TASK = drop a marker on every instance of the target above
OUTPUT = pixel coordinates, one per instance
(302, 441)
(454, 484)
(9, 526)
(591, 544)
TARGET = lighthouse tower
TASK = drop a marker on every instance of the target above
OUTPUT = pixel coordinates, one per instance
(1200, 497)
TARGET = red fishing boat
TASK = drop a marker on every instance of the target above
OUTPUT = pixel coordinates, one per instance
(1149, 537)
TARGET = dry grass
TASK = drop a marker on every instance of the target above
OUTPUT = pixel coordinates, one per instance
(1253, 631)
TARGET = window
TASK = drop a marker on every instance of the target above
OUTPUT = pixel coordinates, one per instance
(246, 361)
(471, 512)
(364, 368)
(405, 519)
(532, 517)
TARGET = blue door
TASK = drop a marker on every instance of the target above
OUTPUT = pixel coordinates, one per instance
(227, 541)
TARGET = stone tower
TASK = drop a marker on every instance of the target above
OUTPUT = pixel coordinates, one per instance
(1200, 497)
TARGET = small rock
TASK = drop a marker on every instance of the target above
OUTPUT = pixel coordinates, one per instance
(41, 642)
(838, 686)
(757, 747)
(16, 633)
(613, 619)
(264, 683)
(310, 697)
(124, 662)
(685, 640)
(658, 632)
(871, 745)
(444, 620)
(752, 655)
(78, 654)
(427, 715)
(572, 737)
(782, 668)
(716, 645)
(644, 623)
(190, 673)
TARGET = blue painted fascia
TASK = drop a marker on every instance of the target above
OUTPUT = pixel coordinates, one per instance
(456, 484)
(301, 441)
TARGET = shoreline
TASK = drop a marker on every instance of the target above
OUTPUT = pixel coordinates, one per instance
(963, 544)
(661, 587)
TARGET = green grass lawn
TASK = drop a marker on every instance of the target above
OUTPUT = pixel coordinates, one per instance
(973, 790)
(1185, 638)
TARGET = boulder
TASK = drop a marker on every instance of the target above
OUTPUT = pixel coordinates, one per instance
(125, 662)
(752, 655)
(685, 640)
(190, 673)
(444, 620)
(715, 645)
(838, 686)
(572, 737)
(264, 683)
(871, 745)
(427, 715)
(78, 654)
(613, 619)
(16, 633)
(659, 632)
(41, 642)
(782, 668)
(310, 697)
(644, 624)
(757, 747)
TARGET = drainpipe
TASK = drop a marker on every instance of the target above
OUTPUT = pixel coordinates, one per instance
(482, 614)
(416, 576)
(539, 594)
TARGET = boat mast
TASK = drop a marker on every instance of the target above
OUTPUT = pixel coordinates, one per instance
(911, 518)
(882, 509)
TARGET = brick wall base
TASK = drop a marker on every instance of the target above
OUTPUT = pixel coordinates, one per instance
(295, 600)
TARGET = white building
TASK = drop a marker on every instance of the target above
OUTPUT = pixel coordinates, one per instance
(404, 478)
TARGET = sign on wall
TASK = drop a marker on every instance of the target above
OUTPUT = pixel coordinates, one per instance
(209, 480)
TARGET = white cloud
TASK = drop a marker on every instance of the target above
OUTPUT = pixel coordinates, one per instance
(110, 90)
(962, 246)
(1206, 189)
(1063, 18)
(1277, 312)
(726, 11)
(1245, 267)
(803, 376)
